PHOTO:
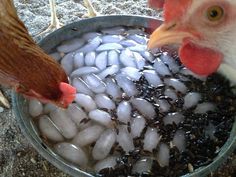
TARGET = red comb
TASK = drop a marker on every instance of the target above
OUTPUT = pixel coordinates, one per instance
(157, 4)
(175, 9)
(68, 93)
(152, 25)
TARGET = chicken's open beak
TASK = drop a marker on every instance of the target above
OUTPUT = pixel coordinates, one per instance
(168, 34)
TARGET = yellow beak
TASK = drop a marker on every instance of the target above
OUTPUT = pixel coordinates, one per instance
(167, 34)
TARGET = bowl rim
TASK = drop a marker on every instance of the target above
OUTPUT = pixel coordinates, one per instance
(49, 155)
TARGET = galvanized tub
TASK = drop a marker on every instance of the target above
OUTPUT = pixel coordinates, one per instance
(74, 30)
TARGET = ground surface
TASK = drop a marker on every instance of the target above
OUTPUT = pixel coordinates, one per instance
(17, 157)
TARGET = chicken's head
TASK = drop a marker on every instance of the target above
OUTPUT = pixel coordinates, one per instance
(205, 31)
(61, 94)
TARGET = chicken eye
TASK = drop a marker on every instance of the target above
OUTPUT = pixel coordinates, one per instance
(215, 13)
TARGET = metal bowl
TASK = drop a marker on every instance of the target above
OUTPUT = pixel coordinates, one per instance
(71, 31)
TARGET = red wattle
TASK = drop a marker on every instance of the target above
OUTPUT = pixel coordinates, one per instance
(200, 60)
(68, 93)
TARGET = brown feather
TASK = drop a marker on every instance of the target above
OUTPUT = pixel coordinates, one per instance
(23, 64)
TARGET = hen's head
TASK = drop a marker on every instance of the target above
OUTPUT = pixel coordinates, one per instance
(61, 94)
(205, 31)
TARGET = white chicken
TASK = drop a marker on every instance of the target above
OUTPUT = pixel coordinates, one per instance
(205, 31)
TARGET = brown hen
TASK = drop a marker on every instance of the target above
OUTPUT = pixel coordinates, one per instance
(25, 67)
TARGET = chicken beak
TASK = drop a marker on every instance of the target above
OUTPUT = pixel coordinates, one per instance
(168, 34)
